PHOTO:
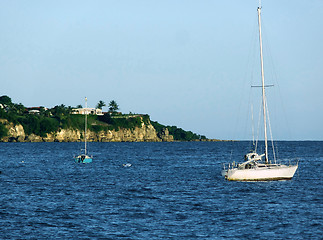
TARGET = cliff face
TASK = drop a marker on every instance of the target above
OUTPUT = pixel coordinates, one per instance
(145, 133)
(15, 132)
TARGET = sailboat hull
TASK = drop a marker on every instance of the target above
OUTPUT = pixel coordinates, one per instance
(269, 173)
(254, 169)
(83, 159)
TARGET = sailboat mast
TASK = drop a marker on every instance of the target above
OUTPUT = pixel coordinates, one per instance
(263, 86)
(85, 128)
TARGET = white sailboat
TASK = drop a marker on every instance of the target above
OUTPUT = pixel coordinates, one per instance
(258, 167)
(83, 157)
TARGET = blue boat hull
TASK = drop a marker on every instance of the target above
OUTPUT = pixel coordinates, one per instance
(83, 159)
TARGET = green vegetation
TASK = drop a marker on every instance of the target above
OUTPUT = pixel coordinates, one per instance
(178, 133)
(100, 104)
(40, 120)
(60, 117)
(123, 121)
(113, 106)
(3, 131)
(39, 125)
(5, 100)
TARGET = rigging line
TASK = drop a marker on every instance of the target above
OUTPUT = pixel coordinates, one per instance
(248, 115)
(251, 65)
(268, 51)
(248, 66)
(254, 53)
(235, 127)
(280, 98)
(258, 128)
(241, 100)
(274, 77)
(252, 56)
(271, 134)
(239, 114)
(251, 62)
(252, 126)
(250, 75)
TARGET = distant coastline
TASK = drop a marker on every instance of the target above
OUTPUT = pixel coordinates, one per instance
(65, 124)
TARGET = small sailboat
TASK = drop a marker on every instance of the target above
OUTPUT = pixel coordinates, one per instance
(258, 167)
(83, 157)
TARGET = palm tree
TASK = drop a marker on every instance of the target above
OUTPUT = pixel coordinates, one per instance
(100, 104)
(113, 106)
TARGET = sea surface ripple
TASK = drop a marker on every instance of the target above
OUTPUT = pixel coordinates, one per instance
(170, 191)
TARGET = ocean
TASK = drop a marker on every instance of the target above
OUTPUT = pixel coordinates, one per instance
(171, 191)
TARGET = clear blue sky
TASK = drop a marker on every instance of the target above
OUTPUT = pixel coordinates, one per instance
(186, 63)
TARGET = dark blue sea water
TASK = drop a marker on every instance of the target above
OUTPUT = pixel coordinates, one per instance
(171, 191)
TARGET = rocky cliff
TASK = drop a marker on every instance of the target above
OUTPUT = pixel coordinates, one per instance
(145, 133)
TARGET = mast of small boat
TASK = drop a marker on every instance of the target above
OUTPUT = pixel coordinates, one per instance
(85, 128)
(263, 84)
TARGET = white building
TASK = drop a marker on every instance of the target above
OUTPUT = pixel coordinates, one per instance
(93, 111)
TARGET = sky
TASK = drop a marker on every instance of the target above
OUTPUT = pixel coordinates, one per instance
(185, 63)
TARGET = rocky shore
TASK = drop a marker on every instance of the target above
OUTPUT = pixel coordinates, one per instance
(145, 133)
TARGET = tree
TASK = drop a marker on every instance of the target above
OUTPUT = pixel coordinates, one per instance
(3, 131)
(19, 108)
(113, 106)
(5, 100)
(61, 110)
(100, 105)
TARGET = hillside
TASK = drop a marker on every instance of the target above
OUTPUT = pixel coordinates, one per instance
(18, 123)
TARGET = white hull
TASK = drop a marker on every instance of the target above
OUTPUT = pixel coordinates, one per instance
(268, 173)
(254, 168)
